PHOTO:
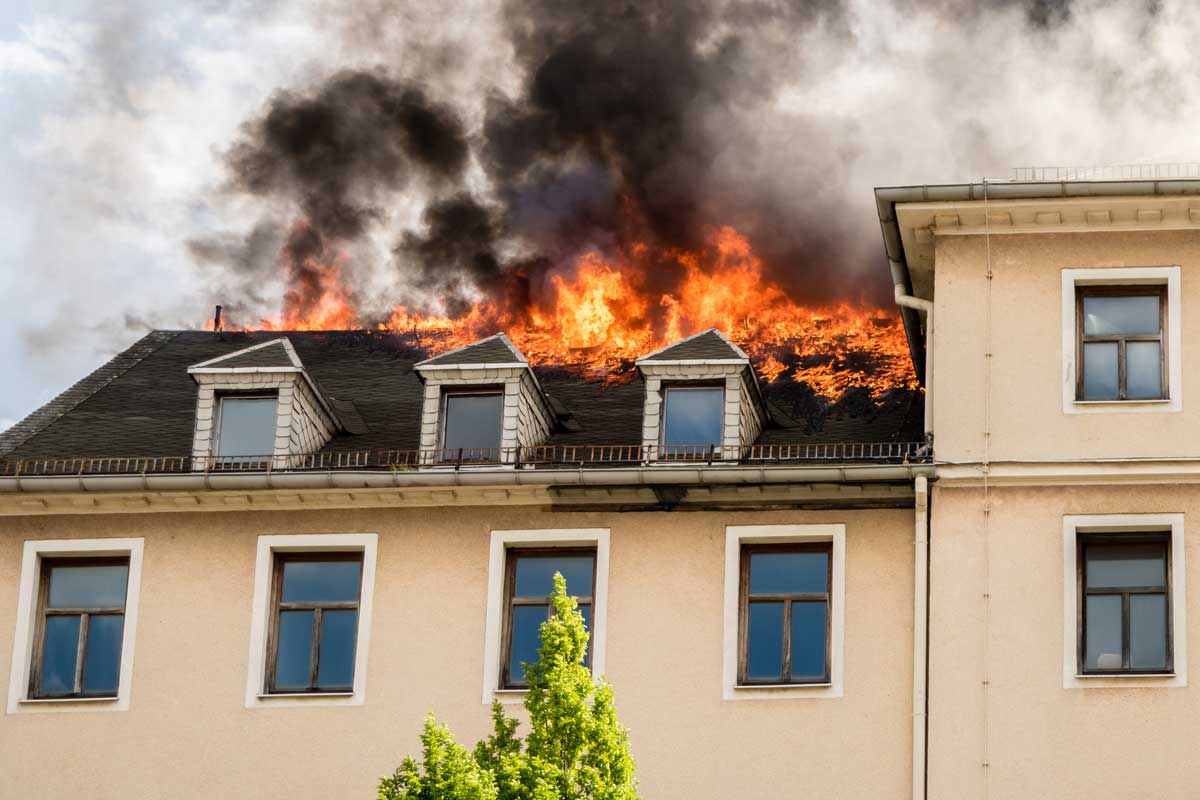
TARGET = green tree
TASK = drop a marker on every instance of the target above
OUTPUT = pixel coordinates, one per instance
(576, 749)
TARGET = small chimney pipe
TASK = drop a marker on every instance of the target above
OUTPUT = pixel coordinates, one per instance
(217, 320)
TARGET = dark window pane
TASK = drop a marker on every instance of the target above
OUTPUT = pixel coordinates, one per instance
(1114, 315)
(1143, 370)
(1148, 631)
(1100, 380)
(693, 416)
(526, 638)
(88, 587)
(1102, 648)
(535, 575)
(764, 641)
(295, 650)
(60, 645)
(247, 426)
(808, 640)
(336, 667)
(779, 573)
(1116, 565)
(321, 581)
(102, 661)
(473, 421)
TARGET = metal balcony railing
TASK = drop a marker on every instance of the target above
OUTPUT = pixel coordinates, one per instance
(592, 456)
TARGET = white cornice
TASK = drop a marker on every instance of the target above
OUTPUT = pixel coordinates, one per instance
(1070, 473)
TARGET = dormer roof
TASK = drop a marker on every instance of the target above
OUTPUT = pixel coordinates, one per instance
(277, 355)
(708, 347)
(271, 357)
(496, 351)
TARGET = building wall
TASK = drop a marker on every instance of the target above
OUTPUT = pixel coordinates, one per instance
(1026, 416)
(996, 663)
(188, 734)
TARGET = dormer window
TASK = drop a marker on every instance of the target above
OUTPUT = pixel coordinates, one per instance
(258, 408)
(702, 401)
(692, 419)
(483, 405)
(472, 426)
(246, 427)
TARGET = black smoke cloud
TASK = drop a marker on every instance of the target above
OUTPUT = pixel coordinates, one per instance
(627, 119)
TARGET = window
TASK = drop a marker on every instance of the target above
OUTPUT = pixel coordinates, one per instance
(693, 418)
(471, 426)
(1126, 609)
(784, 613)
(529, 581)
(520, 567)
(81, 620)
(1121, 343)
(76, 621)
(1124, 601)
(315, 626)
(310, 624)
(245, 428)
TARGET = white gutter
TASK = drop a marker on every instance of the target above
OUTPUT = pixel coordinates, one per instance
(920, 635)
(355, 479)
(905, 300)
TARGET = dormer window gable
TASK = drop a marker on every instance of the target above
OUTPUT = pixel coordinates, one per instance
(482, 404)
(258, 407)
(702, 400)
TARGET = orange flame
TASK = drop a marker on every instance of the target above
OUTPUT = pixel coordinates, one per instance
(601, 317)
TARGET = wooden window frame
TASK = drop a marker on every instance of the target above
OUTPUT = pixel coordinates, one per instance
(693, 450)
(1083, 540)
(787, 598)
(84, 614)
(443, 455)
(511, 556)
(1154, 290)
(280, 558)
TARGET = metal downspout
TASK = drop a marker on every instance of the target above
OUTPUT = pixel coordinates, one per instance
(920, 696)
(905, 300)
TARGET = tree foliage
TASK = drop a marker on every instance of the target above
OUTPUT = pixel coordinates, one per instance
(576, 748)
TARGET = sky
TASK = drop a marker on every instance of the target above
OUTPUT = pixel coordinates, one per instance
(115, 118)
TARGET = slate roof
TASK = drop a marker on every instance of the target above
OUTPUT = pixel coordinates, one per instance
(492, 350)
(142, 402)
(707, 345)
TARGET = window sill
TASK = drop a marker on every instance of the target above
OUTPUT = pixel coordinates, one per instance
(742, 687)
(1123, 675)
(1158, 402)
(39, 701)
(305, 695)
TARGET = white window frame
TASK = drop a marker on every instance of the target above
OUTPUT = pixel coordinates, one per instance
(260, 620)
(19, 701)
(1123, 276)
(1075, 524)
(501, 543)
(735, 537)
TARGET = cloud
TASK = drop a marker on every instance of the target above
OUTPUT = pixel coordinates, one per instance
(6, 423)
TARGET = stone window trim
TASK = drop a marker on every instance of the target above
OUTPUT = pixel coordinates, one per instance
(501, 542)
(735, 537)
(268, 547)
(1072, 281)
(33, 553)
(1131, 524)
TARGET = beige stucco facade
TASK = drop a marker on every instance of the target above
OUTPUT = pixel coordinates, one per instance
(188, 733)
